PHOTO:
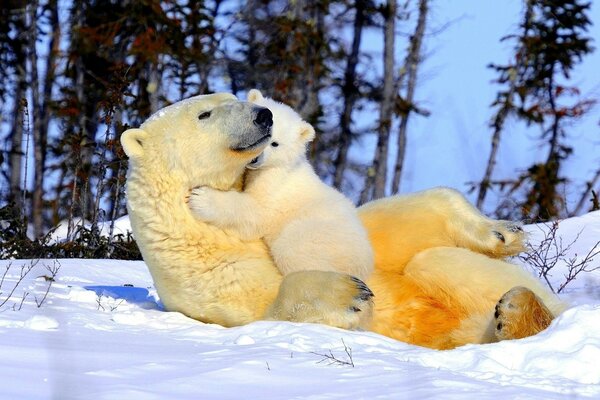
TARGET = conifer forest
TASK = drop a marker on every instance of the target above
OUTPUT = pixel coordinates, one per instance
(76, 73)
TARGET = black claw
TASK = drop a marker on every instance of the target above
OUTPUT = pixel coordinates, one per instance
(366, 293)
(497, 313)
(499, 327)
(500, 236)
(355, 309)
(515, 228)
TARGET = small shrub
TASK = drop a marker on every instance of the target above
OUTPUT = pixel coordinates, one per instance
(545, 257)
(85, 242)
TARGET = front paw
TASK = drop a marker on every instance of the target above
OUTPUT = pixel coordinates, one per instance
(203, 203)
(323, 297)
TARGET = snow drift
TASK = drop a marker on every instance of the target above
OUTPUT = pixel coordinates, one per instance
(101, 333)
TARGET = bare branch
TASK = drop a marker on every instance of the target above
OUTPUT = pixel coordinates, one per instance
(25, 269)
(552, 251)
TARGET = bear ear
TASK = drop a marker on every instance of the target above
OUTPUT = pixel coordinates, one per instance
(133, 142)
(255, 95)
(307, 132)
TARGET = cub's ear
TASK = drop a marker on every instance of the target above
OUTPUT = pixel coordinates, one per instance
(254, 95)
(307, 132)
(133, 142)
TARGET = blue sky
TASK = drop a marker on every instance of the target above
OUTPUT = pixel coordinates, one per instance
(451, 147)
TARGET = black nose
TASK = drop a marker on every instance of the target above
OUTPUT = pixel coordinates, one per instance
(264, 118)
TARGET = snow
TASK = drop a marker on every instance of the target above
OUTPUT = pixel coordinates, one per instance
(102, 333)
(121, 226)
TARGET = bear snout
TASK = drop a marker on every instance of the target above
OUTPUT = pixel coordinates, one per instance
(264, 118)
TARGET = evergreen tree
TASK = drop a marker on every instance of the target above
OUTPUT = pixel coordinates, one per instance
(551, 43)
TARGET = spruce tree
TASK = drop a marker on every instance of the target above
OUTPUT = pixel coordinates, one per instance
(552, 41)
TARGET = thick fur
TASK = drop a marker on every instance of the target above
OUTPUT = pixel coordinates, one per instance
(439, 273)
(199, 269)
(306, 224)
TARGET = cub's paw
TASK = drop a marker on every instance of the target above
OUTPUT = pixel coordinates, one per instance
(323, 297)
(520, 313)
(508, 239)
(203, 203)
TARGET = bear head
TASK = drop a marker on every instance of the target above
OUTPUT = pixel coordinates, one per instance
(290, 134)
(208, 140)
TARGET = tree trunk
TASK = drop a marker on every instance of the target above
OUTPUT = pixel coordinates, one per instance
(16, 142)
(154, 85)
(308, 88)
(498, 125)
(411, 64)
(86, 125)
(253, 55)
(378, 180)
(588, 189)
(36, 112)
(350, 94)
(42, 116)
(500, 118)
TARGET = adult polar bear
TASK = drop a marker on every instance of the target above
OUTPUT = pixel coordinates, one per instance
(439, 280)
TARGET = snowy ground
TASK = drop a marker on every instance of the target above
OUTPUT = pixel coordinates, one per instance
(101, 334)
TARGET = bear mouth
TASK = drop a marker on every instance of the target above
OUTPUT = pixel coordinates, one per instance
(257, 162)
(254, 145)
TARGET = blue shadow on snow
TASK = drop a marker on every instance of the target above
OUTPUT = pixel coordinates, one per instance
(131, 294)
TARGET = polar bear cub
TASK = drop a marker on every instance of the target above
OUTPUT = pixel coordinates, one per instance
(306, 224)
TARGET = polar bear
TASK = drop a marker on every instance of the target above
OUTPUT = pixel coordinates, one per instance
(440, 277)
(306, 224)
(198, 269)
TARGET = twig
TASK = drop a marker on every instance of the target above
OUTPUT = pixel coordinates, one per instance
(53, 271)
(551, 251)
(331, 359)
(99, 301)
(25, 269)
(112, 307)
(25, 294)
(574, 268)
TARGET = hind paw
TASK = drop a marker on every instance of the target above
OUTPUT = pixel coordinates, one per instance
(520, 313)
(508, 239)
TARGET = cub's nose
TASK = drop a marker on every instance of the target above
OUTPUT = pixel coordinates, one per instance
(264, 118)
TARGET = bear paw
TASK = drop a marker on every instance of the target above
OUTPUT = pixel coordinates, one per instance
(203, 203)
(507, 239)
(520, 313)
(323, 297)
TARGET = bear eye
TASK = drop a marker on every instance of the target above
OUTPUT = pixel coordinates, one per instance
(204, 115)
(274, 144)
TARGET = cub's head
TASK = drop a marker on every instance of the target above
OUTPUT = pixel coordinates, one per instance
(289, 137)
(206, 139)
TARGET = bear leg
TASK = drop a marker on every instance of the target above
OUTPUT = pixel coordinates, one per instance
(323, 297)
(520, 313)
(473, 230)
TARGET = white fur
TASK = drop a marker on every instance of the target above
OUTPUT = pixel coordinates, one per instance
(198, 269)
(307, 224)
